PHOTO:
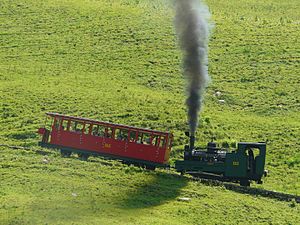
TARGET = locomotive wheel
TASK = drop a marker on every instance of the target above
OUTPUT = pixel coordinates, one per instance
(65, 153)
(245, 183)
(83, 156)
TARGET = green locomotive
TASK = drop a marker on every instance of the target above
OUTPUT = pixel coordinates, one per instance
(242, 165)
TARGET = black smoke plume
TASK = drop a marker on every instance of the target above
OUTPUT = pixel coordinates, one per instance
(193, 28)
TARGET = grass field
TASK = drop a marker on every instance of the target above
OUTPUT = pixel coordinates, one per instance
(118, 61)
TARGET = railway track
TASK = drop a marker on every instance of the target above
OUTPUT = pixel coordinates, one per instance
(25, 148)
(250, 190)
(229, 186)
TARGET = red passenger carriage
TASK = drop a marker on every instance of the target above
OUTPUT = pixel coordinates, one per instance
(91, 137)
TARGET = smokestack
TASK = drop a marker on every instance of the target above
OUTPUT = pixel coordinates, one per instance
(192, 143)
(192, 27)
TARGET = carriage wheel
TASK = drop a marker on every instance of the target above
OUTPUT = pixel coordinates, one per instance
(148, 167)
(65, 153)
(83, 156)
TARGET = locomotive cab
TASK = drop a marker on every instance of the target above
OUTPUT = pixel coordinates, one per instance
(246, 163)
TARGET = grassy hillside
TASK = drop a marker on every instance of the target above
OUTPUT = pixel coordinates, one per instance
(37, 189)
(118, 61)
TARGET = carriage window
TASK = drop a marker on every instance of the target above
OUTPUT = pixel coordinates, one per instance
(140, 138)
(170, 142)
(49, 122)
(57, 123)
(147, 139)
(132, 136)
(144, 138)
(79, 127)
(64, 125)
(125, 134)
(95, 130)
(155, 140)
(162, 142)
(87, 128)
(101, 131)
(167, 141)
(76, 126)
(109, 132)
(118, 134)
(121, 134)
(98, 130)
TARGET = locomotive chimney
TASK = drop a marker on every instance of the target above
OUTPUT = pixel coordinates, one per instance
(192, 142)
(188, 149)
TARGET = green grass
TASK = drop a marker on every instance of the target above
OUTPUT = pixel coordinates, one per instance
(118, 61)
(68, 191)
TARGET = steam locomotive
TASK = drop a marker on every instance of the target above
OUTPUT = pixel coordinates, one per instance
(242, 165)
(151, 149)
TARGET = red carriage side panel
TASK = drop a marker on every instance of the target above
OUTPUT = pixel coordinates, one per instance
(107, 138)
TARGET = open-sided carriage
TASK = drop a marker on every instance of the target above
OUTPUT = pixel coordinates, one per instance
(145, 147)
